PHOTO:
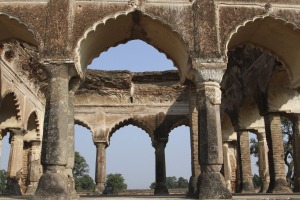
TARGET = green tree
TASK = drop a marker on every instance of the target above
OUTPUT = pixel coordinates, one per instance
(83, 182)
(2, 181)
(256, 181)
(171, 182)
(80, 166)
(114, 184)
(182, 183)
(152, 186)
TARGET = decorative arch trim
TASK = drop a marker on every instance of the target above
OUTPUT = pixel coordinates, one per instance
(16, 102)
(274, 34)
(123, 24)
(83, 124)
(17, 29)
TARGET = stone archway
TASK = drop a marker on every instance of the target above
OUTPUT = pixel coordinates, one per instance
(275, 35)
(123, 27)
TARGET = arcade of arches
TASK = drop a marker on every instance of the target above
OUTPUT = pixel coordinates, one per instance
(238, 71)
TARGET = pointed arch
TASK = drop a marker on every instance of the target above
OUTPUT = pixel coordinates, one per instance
(10, 111)
(131, 121)
(275, 35)
(126, 26)
(14, 28)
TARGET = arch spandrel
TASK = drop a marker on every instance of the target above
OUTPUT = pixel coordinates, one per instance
(277, 36)
(14, 28)
(123, 27)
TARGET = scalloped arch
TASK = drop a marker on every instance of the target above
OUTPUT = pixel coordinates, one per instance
(83, 124)
(125, 26)
(10, 111)
(183, 122)
(131, 121)
(34, 116)
(12, 27)
(274, 34)
(32, 126)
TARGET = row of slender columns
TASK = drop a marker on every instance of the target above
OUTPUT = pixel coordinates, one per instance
(271, 158)
(15, 163)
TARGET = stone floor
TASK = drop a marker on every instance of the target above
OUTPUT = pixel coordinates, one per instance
(176, 197)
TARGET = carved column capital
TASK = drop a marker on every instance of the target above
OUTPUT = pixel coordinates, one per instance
(204, 72)
(208, 92)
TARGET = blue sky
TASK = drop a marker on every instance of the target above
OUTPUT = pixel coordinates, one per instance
(130, 152)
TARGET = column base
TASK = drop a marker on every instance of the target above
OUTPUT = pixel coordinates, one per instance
(13, 187)
(71, 188)
(99, 188)
(31, 188)
(53, 186)
(193, 185)
(161, 189)
(212, 186)
(264, 186)
(281, 186)
(248, 187)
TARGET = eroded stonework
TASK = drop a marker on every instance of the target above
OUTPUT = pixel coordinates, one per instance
(237, 73)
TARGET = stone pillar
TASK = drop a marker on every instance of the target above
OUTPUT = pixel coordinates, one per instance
(54, 182)
(278, 183)
(74, 83)
(193, 122)
(296, 152)
(247, 184)
(100, 173)
(227, 166)
(160, 167)
(15, 163)
(263, 162)
(211, 181)
(35, 169)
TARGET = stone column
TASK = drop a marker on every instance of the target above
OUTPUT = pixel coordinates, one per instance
(100, 173)
(278, 183)
(247, 184)
(296, 152)
(211, 181)
(193, 122)
(35, 169)
(74, 83)
(54, 182)
(227, 166)
(15, 163)
(160, 167)
(263, 161)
